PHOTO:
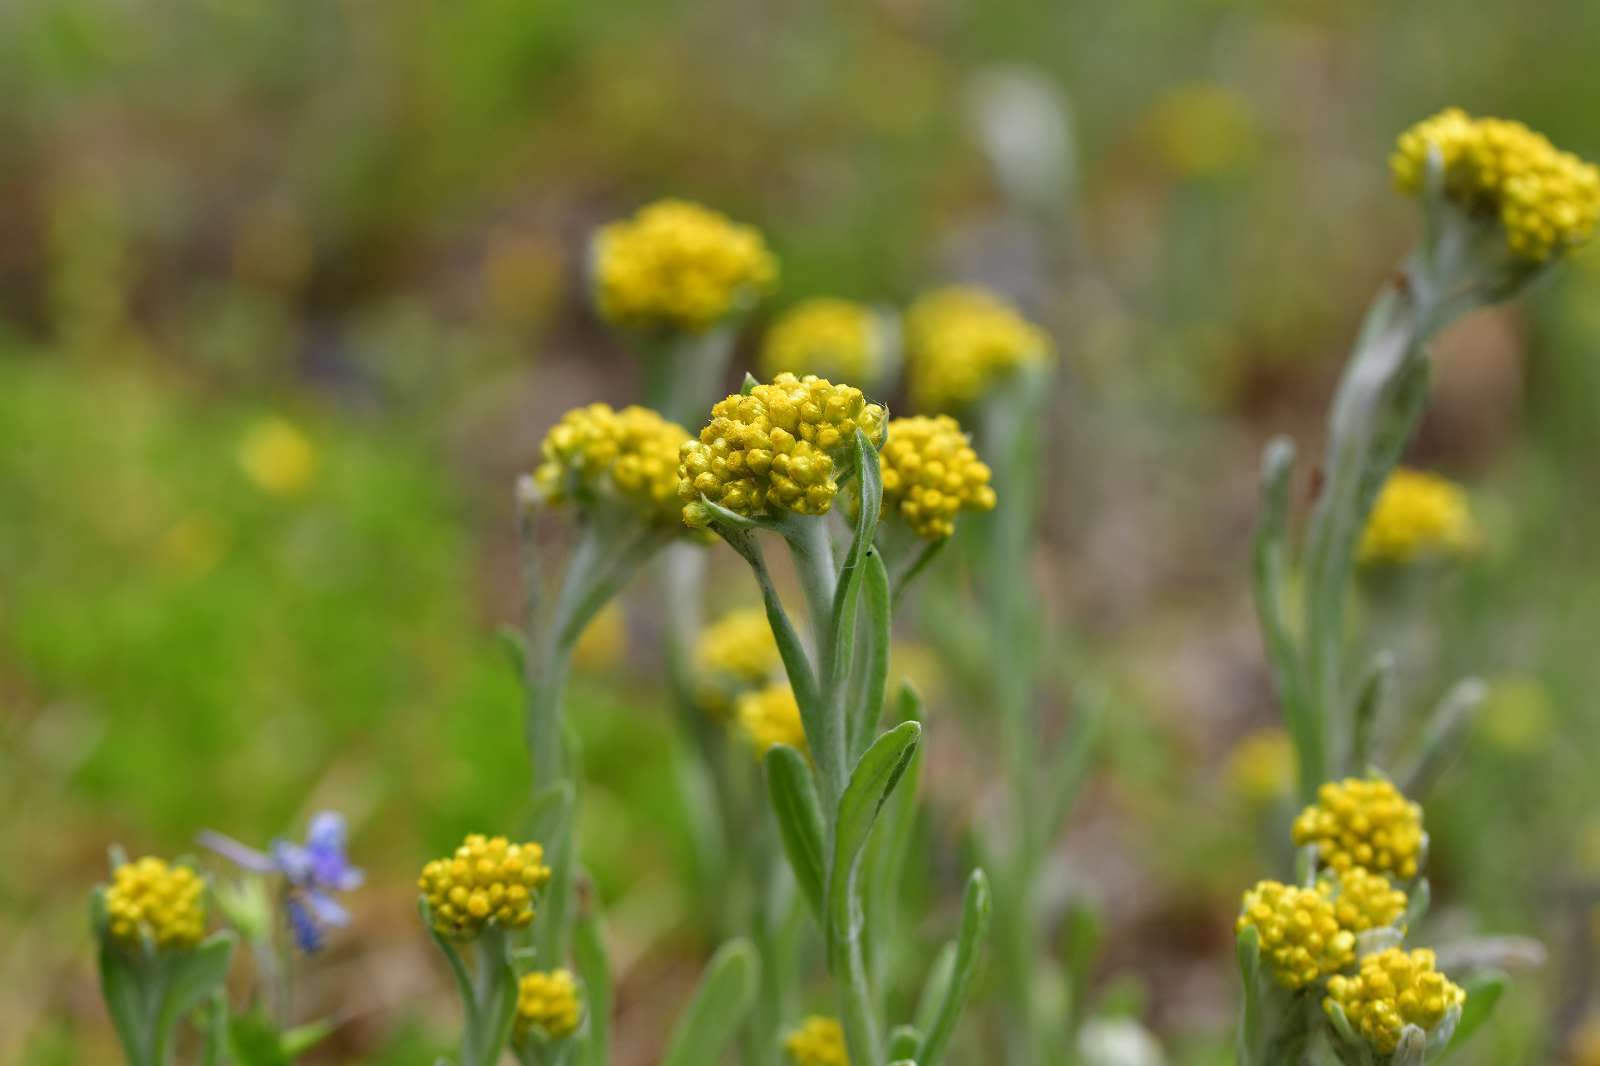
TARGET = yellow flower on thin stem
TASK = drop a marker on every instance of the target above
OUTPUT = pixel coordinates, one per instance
(1546, 200)
(931, 473)
(817, 1041)
(774, 449)
(487, 880)
(628, 456)
(152, 900)
(1394, 989)
(829, 337)
(547, 1000)
(1300, 936)
(770, 716)
(676, 265)
(1418, 516)
(1366, 824)
(961, 341)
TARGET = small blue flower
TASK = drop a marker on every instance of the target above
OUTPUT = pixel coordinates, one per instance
(311, 871)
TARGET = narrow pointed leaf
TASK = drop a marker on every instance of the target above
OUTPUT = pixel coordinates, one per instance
(975, 908)
(718, 1008)
(594, 967)
(871, 784)
(800, 823)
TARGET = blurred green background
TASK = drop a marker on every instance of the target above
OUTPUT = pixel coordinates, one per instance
(289, 293)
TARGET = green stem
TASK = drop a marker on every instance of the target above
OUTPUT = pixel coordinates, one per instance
(683, 370)
(812, 552)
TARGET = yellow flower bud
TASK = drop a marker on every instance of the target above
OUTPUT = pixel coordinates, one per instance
(1366, 824)
(1363, 900)
(548, 1001)
(1416, 516)
(961, 341)
(630, 456)
(732, 655)
(1301, 939)
(827, 337)
(771, 715)
(818, 1041)
(150, 899)
(678, 266)
(931, 473)
(1394, 989)
(488, 879)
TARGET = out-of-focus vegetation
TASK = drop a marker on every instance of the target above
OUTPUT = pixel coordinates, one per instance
(289, 292)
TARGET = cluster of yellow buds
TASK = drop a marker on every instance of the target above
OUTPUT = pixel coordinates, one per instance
(1547, 200)
(818, 1041)
(828, 337)
(678, 265)
(1300, 935)
(629, 455)
(488, 879)
(152, 899)
(960, 341)
(771, 715)
(930, 473)
(1416, 516)
(1366, 824)
(773, 449)
(732, 655)
(1394, 989)
(1363, 900)
(547, 1000)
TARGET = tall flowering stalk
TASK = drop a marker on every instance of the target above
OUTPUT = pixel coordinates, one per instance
(776, 459)
(1501, 206)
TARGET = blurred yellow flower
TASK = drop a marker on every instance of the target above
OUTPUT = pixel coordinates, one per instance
(818, 1041)
(1204, 131)
(828, 337)
(732, 655)
(277, 457)
(931, 473)
(774, 449)
(1394, 989)
(151, 899)
(193, 546)
(771, 716)
(1517, 717)
(547, 1000)
(628, 456)
(1261, 768)
(1418, 516)
(603, 641)
(1547, 200)
(961, 341)
(1366, 824)
(1301, 940)
(678, 265)
(488, 879)
(1586, 1043)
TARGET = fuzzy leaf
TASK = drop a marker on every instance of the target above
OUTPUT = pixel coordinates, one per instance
(718, 1008)
(975, 909)
(871, 783)
(1483, 995)
(799, 813)
(594, 967)
(193, 977)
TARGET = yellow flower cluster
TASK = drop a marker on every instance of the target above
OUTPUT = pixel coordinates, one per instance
(277, 457)
(629, 455)
(1394, 989)
(828, 337)
(488, 879)
(1547, 200)
(1417, 515)
(735, 653)
(960, 341)
(1363, 900)
(1261, 768)
(1366, 824)
(771, 715)
(548, 1000)
(773, 449)
(1300, 934)
(818, 1041)
(151, 899)
(930, 473)
(678, 265)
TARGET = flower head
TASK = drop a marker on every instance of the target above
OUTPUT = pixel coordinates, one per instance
(151, 900)
(1261, 767)
(732, 655)
(1546, 200)
(1366, 824)
(547, 1000)
(1418, 516)
(961, 341)
(1363, 900)
(488, 879)
(1300, 935)
(628, 456)
(774, 449)
(678, 265)
(771, 715)
(1394, 989)
(828, 337)
(818, 1041)
(277, 457)
(311, 871)
(931, 473)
